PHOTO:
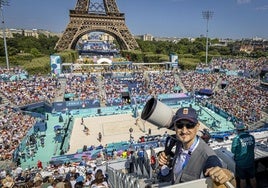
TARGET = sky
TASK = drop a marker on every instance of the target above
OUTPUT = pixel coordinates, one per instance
(235, 19)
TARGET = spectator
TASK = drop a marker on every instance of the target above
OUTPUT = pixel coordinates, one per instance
(79, 182)
(46, 182)
(99, 181)
(38, 181)
(8, 182)
(89, 178)
(39, 164)
(124, 154)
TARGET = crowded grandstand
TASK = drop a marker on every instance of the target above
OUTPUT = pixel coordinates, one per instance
(39, 114)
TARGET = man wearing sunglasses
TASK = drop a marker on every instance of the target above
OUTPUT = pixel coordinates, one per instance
(193, 158)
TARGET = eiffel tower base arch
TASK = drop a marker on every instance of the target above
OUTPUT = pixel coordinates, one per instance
(84, 19)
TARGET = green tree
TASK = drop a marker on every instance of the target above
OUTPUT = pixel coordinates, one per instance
(35, 52)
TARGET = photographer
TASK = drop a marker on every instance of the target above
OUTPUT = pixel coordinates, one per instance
(193, 158)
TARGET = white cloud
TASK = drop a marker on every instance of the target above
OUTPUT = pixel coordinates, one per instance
(243, 1)
(264, 7)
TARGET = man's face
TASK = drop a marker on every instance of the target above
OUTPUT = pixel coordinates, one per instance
(186, 131)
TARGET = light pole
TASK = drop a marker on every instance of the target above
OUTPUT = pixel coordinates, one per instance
(3, 3)
(207, 15)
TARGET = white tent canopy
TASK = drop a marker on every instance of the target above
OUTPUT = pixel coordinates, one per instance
(104, 60)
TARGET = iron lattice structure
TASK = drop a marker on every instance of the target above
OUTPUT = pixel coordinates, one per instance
(101, 17)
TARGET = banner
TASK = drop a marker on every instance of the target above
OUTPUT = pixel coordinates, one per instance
(55, 63)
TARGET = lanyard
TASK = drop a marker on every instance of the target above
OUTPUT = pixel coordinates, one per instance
(184, 157)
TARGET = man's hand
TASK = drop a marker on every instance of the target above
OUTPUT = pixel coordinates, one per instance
(220, 175)
(162, 159)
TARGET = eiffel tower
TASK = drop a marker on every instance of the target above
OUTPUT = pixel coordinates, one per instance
(96, 16)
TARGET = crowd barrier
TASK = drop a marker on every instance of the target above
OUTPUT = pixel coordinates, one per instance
(72, 105)
(119, 179)
(43, 104)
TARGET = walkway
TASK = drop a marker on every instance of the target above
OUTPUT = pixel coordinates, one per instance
(178, 79)
(61, 92)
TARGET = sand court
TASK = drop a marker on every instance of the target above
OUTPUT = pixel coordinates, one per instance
(114, 128)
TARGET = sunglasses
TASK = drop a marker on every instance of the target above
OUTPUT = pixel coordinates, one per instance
(189, 125)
